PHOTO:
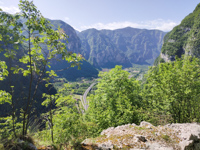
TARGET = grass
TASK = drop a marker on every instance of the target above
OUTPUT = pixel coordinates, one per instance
(166, 137)
(77, 96)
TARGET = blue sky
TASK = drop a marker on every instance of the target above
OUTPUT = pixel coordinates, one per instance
(112, 14)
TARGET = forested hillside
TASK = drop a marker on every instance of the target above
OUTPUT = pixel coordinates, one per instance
(183, 39)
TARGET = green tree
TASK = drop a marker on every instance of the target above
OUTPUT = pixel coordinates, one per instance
(116, 100)
(5, 97)
(40, 46)
(43, 44)
(65, 122)
(174, 89)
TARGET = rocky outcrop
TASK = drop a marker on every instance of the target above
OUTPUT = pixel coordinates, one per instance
(148, 137)
(167, 58)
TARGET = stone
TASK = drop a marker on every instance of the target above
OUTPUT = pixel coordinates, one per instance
(141, 138)
(146, 124)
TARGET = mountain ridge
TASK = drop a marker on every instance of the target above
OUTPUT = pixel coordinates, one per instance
(127, 46)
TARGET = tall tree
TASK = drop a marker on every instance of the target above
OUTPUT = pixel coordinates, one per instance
(174, 89)
(41, 46)
(116, 99)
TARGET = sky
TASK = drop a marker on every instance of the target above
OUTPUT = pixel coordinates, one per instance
(112, 14)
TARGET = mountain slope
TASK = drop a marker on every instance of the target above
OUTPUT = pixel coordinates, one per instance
(183, 39)
(21, 83)
(141, 46)
(100, 51)
(122, 46)
(74, 45)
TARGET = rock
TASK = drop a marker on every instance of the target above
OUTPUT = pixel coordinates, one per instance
(146, 124)
(189, 133)
(18, 144)
(141, 138)
(27, 145)
(106, 146)
(148, 137)
(157, 146)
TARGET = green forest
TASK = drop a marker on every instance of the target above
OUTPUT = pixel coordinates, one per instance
(36, 109)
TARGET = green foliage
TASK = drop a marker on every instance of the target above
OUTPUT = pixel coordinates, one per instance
(41, 44)
(174, 89)
(185, 37)
(67, 122)
(116, 100)
(3, 70)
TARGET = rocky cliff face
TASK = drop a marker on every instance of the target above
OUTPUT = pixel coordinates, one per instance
(183, 39)
(100, 51)
(141, 46)
(107, 48)
(146, 136)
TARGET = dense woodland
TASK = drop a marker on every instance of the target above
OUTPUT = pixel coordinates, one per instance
(45, 109)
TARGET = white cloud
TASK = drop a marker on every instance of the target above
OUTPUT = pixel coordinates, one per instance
(11, 9)
(164, 25)
(66, 19)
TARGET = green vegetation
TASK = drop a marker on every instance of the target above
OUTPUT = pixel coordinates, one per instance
(33, 62)
(170, 92)
(116, 100)
(173, 89)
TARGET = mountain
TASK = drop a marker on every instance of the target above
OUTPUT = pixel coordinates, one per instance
(127, 46)
(74, 45)
(183, 39)
(100, 51)
(141, 46)
(21, 83)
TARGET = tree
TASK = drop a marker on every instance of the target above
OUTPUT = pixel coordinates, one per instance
(41, 45)
(44, 44)
(65, 122)
(174, 89)
(116, 100)
(5, 97)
